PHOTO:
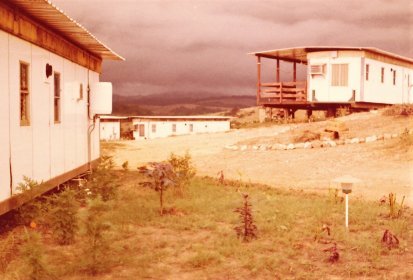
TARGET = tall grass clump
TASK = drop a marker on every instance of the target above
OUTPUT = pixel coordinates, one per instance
(184, 171)
(95, 258)
(62, 216)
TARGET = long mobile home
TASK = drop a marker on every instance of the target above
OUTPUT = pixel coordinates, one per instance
(149, 127)
(50, 96)
(353, 77)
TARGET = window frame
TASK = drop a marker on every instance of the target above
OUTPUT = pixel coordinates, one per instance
(24, 94)
(174, 127)
(57, 98)
(367, 71)
(153, 128)
(382, 75)
(394, 77)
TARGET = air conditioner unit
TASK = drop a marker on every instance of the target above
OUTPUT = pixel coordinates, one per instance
(317, 69)
(101, 98)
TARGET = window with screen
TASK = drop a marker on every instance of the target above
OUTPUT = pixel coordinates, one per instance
(56, 97)
(24, 94)
(339, 74)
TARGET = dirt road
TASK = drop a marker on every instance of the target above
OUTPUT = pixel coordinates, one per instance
(381, 169)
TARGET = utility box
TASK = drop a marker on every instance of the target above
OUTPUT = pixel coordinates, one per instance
(101, 98)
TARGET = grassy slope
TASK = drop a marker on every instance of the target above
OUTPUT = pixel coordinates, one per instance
(199, 242)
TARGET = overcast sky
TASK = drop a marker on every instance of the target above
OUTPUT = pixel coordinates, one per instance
(201, 46)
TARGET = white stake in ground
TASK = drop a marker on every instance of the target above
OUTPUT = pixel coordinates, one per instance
(346, 188)
(346, 183)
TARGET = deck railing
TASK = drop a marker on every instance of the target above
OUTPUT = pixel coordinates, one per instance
(283, 92)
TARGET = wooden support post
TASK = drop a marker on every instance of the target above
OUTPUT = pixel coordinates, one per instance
(295, 72)
(281, 92)
(277, 78)
(258, 79)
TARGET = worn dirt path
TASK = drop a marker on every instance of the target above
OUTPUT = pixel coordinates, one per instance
(381, 170)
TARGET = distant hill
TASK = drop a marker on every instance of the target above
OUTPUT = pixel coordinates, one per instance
(173, 104)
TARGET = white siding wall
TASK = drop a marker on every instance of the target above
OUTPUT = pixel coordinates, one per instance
(4, 118)
(376, 91)
(324, 91)
(44, 149)
(164, 128)
(110, 130)
(366, 91)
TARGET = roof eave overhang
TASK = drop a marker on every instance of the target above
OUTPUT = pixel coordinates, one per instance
(299, 54)
(45, 12)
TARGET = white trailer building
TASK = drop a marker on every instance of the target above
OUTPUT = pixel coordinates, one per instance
(110, 127)
(149, 127)
(352, 77)
(50, 96)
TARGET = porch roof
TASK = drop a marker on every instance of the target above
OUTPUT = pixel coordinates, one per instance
(299, 54)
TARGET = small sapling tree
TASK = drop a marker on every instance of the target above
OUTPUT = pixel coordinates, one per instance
(393, 212)
(62, 216)
(161, 176)
(33, 256)
(103, 182)
(247, 230)
(33, 209)
(95, 257)
(389, 240)
(184, 171)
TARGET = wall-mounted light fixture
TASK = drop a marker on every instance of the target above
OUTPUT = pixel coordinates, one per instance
(49, 70)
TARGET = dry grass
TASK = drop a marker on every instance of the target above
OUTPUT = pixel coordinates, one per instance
(399, 110)
(199, 241)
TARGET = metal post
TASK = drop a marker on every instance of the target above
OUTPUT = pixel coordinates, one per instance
(347, 211)
(258, 79)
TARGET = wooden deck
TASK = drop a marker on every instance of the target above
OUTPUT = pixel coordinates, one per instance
(283, 93)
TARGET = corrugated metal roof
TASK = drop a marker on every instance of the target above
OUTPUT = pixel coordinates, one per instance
(299, 54)
(46, 12)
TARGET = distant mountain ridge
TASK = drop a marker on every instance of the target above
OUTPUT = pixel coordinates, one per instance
(179, 103)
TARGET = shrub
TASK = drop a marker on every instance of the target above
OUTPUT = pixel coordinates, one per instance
(103, 182)
(33, 256)
(125, 165)
(34, 208)
(233, 112)
(183, 170)
(62, 216)
(97, 244)
(307, 136)
(161, 176)
(8, 247)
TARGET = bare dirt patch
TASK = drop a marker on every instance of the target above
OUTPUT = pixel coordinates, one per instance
(383, 166)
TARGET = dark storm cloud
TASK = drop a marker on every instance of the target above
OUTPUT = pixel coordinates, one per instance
(194, 46)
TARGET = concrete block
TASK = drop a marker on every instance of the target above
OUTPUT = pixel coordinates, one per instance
(370, 139)
(290, 146)
(308, 145)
